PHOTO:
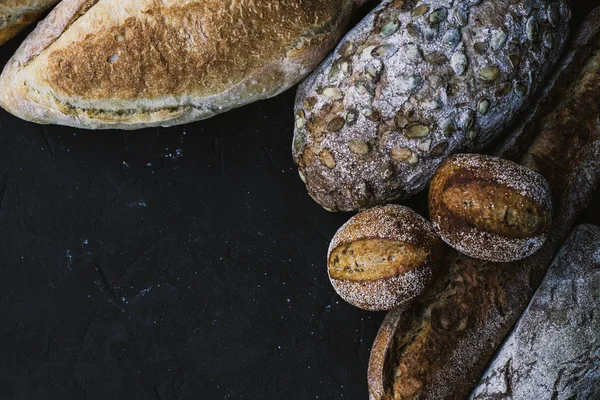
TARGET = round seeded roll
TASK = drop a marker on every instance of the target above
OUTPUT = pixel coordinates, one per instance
(383, 257)
(489, 208)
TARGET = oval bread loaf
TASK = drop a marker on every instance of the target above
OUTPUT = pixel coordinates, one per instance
(15, 15)
(383, 257)
(131, 64)
(489, 208)
(414, 82)
(554, 351)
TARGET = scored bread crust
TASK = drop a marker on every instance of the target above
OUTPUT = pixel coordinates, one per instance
(15, 15)
(485, 172)
(396, 223)
(564, 138)
(131, 64)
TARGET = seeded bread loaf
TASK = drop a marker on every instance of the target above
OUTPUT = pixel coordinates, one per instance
(490, 208)
(554, 351)
(15, 15)
(131, 64)
(414, 82)
(439, 347)
(383, 257)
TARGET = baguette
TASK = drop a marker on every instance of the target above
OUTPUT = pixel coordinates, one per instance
(439, 347)
(102, 64)
(554, 351)
(414, 82)
(15, 15)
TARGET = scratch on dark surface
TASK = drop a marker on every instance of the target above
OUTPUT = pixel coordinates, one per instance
(214, 145)
(317, 228)
(85, 334)
(25, 139)
(106, 288)
(110, 296)
(147, 250)
(103, 276)
(218, 149)
(47, 140)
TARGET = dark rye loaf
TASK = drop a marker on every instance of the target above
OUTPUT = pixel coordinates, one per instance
(439, 347)
(414, 82)
(554, 351)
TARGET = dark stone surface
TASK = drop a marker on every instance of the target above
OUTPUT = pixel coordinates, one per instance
(180, 263)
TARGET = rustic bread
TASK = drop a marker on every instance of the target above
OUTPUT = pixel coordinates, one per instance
(383, 257)
(15, 15)
(414, 82)
(554, 351)
(132, 64)
(439, 347)
(489, 208)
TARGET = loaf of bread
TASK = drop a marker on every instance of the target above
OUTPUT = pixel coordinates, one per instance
(490, 208)
(414, 82)
(15, 15)
(439, 347)
(139, 63)
(383, 257)
(554, 351)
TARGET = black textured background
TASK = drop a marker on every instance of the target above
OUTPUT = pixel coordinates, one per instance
(180, 263)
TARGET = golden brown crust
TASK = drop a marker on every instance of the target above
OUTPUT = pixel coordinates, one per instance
(146, 63)
(373, 259)
(16, 15)
(457, 359)
(512, 216)
(490, 208)
(383, 257)
(116, 61)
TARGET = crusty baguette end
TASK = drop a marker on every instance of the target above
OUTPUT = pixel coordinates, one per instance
(112, 64)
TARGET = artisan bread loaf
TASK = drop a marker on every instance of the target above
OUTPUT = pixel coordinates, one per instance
(490, 208)
(17, 14)
(132, 64)
(383, 257)
(554, 351)
(414, 82)
(439, 346)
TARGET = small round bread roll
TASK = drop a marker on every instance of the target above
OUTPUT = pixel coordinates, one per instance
(383, 257)
(489, 208)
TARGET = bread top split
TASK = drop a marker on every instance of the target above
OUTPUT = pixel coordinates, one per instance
(15, 15)
(133, 64)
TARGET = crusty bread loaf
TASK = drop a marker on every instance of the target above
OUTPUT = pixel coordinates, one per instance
(139, 63)
(383, 257)
(554, 351)
(15, 15)
(439, 347)
(414, 82)
(490, 208)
